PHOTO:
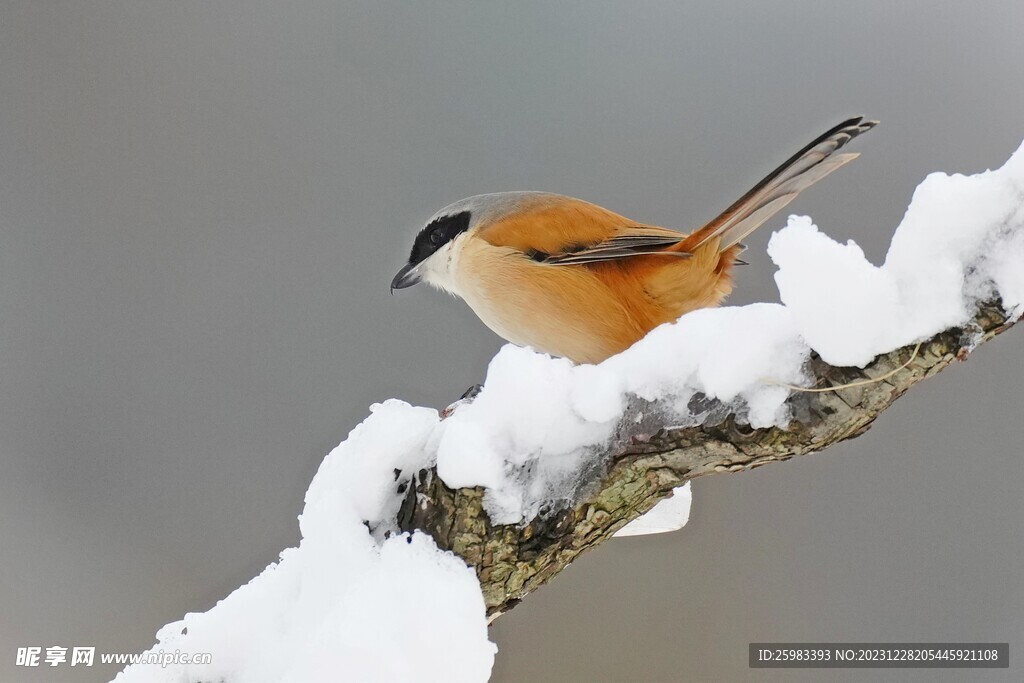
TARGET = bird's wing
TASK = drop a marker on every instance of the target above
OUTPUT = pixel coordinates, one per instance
(573, 232)
(781, 186)
(635, 240)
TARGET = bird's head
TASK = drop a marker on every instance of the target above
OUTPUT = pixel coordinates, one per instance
(436, 247)
(432, 251)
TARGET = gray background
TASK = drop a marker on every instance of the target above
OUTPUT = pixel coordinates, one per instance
(202, 205)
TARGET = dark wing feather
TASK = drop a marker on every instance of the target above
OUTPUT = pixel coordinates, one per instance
(632, 241)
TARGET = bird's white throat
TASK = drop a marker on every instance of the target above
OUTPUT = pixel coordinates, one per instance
(440, 269)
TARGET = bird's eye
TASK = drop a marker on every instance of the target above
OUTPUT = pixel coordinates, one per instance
(436, 235)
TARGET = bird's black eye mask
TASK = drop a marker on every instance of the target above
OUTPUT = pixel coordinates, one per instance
(437, 234)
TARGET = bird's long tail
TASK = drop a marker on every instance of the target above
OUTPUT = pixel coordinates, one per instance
(780, 187)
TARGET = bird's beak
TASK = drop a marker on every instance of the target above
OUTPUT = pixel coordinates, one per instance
(407, 277)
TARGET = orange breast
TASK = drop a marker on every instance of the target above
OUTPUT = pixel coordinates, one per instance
(586, 312)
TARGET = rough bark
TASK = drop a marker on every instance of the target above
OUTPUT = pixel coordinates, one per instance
(642, 469)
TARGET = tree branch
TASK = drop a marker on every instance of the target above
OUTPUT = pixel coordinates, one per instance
(642, 469)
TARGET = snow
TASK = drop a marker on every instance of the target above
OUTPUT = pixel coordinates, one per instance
(357, 601)
(960, 241)
(539, 426)
(670, 514)
(348, 603)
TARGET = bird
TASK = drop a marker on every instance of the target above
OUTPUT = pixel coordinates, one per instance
(572, 279)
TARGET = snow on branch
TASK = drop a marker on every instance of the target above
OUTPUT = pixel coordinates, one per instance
(421, 525)
(654, 460)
